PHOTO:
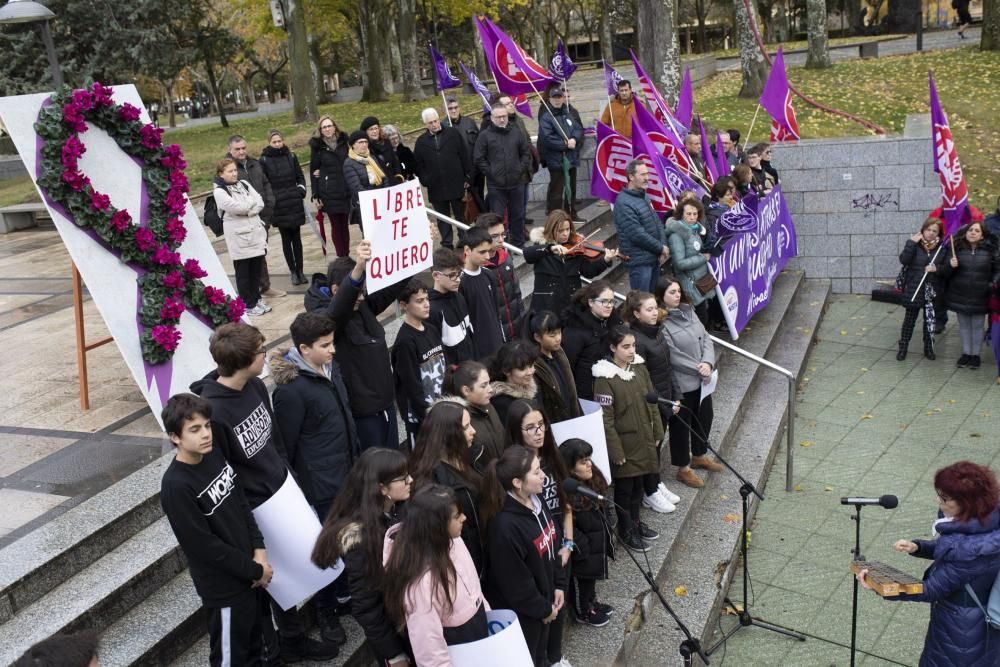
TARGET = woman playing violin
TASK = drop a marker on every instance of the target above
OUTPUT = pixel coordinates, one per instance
(561, 257)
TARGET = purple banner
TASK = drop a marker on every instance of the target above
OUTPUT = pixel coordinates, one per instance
(561, 66)
(751, 261)
(484, 93)
(612, 155)
(516, 72)
(611, 79)
(443, 78)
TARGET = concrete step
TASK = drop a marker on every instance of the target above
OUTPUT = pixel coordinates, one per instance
(98, 595)
(705, 560)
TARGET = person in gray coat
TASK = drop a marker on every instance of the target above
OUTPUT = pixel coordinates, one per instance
(688, 256)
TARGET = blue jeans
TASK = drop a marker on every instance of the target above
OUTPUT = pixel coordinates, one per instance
(643, 277)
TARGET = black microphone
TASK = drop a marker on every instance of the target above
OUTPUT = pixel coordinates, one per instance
(653, 397)
(888, 502)
(573, 486)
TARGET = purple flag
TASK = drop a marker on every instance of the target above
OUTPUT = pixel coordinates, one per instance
(777, 100)
(741, 218)
(515, 71)
(721, 161)
(657, 190)
(685, 101)
(484, 93)
(561, 66)
(711, 174)
(677, 181)
(667, 142)
(443, 78)
(656, 102)
(954, 191)
(611, 157)
(611, 79)
(522, 106)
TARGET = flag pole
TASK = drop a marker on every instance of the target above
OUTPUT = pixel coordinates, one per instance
(746, 141)
(924, 277)
(546, 105)
(611, 115)
(444, 101)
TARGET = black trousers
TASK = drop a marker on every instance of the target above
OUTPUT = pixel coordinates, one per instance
(510, 203)
(248, 279)
(234, 632)
(582, 594)
(909, 324)
(536, 636)
(291, 247)
(690, 427)
(453, 208)
(555, 196)
(628, 494)
(553, 648)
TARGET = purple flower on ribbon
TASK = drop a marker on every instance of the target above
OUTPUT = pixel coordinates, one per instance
(175, 201)
(164, 256)
(178, 180)
(99, 201)
(83, 99)
(166, 336)
(150, 136)
(236, 309)
(71, 151)
(174, 280)
(103, 95)
(173, 157)
(129, 113)
(121, 220)
(144, 239)
(214, 295)
(172, 309)
(75, 179)
(176, 231)
(193, 269)
(73, 117)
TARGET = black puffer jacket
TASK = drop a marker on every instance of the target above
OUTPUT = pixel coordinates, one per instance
(556, 406)
(387, 155)
(594, 544)
(585, 343)
(288, 184)
(652, 346)
(556, 277)
(313, 413)
(467, 497)
(969, 285)
(502, 154)
(356, 179)
(329, 185)
(505, 393)
(916, 258)
(490, 434)
(510, 302)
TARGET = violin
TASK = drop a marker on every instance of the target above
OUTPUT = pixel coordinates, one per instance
(578, 245)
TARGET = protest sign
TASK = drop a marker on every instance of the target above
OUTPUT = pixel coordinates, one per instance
(589, 427)
(505, 647)
(395, 221)
(290, 528)
(752, 260)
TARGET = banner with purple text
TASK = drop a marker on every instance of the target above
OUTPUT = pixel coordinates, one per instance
(751, 261)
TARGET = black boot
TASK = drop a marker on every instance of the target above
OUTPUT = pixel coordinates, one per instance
(330, 628)
(929, 349)
(903, 344)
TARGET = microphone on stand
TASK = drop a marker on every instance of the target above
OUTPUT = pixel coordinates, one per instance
(653, 397)
(888, 502)
(572, 486)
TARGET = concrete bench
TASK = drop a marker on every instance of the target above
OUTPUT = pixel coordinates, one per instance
(21, 216)
(868, 50)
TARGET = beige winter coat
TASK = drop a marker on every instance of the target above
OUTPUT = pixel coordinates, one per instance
(240, 204)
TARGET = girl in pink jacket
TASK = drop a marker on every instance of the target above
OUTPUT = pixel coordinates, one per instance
(431, 585)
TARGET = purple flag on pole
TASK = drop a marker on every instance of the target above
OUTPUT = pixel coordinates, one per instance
(522, 106)
(656, 188)
(677, 181)
(741, 218)
(443, 78)
(484, 93)
(611, 79)
(655, 100)
(515, 71)
(777, 100)
(721, 161)
(954, 191)
(666, 141)
(711, 173)
(611, 157)
(561, 66)
(685, 101)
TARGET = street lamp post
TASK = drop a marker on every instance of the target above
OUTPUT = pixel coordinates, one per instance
(29, 11)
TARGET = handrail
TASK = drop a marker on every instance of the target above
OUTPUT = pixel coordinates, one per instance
(740, 351)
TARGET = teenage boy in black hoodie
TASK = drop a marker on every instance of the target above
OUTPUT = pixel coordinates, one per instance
(216, 531)
(361, 347)
(512, 310)
(243, 430)
(417, 359)
(449, 312)
(481, 290)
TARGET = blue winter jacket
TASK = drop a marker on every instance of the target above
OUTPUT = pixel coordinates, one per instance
(964, 553)
(554, 145)
(641, 235)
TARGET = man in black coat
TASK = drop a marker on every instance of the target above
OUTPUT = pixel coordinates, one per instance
(502, 154)
(444, 167)
(468, 128)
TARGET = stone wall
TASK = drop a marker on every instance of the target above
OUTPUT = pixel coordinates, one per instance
(855, 201)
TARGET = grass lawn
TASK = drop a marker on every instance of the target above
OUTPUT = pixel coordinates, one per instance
(883, 90)
(802, 44)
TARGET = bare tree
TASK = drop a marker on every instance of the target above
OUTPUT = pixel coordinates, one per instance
(607, 48)
(751, 59)
(408, 46)
(990, 39)
(819, 51)
(303, 86)
(659, 48)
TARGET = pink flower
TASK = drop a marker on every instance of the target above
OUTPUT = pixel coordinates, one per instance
(214, 295)
(176, 231)
(144, 239)
(175, 201)
(166, 336)
(129, 113)
(174, 280)
(165, 256)
(71, 151)
(83, 99)
(178, 180)
(121, 220)
(102, 95)
(75, 179)
(150, 136)
(172, 309)
(236, 309)
(194, 271)
(99, 202)
(173, 157)
(73, 118)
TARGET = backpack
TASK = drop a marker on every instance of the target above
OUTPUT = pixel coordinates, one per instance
(992, 608)
(213, 218)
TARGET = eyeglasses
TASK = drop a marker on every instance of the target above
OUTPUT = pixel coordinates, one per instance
(450, 275)
(605, 302)
(406, 479)
(534, 428)
(262, 350)
(499, 237)
(503, 117)
(943, 498)
(326, 127)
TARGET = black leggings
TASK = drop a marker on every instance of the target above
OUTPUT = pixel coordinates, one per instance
(690, 427)
(628, 494)
(582, 594)
(248, 279)
(291, 246)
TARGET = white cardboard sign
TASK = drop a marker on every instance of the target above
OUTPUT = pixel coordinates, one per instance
(111, 283)
(589, 427)
(505, 647)
(395, 221)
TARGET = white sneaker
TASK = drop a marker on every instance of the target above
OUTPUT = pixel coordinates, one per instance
(668, 495)
(658, 503)
(562, 663)
(259, 309)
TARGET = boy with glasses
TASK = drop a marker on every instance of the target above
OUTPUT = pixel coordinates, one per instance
(449, 311)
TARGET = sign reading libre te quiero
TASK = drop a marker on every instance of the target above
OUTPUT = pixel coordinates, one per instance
(395, 221)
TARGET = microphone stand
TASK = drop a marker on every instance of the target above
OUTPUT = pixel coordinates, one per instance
(856, 553)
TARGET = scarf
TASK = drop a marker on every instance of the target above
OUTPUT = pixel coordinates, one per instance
(929, 247)
(375, 173)
(332, 142)
(944, 519)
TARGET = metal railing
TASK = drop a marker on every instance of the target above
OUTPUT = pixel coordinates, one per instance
(789, 453)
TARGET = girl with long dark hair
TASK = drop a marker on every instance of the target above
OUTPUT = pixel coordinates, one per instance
(513, 371)
(442, 455)
(431, 585)
(354, 530)
(469, 383)
(585, 326)
(553, 374)
(524, 574)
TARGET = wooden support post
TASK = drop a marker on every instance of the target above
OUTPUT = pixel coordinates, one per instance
(82, 347)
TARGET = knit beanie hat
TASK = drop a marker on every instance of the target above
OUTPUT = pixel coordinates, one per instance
(356, 135)
(369, 122)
